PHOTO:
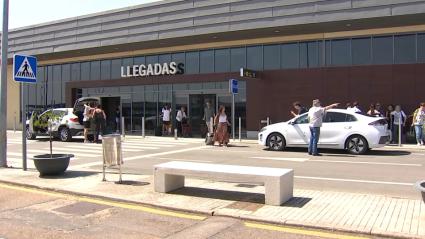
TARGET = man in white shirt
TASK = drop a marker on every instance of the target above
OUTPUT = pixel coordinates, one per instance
(166, 123)
(86, 121)
(180, 118)
(315, 115)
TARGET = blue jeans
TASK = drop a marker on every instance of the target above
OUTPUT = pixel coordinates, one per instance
(314, 139)
(419, 133)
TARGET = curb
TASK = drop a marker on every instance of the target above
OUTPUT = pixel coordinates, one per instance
(214, 213)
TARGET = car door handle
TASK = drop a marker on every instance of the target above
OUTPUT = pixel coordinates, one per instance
(347, 127)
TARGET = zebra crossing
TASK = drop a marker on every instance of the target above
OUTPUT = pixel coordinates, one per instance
(81, 151)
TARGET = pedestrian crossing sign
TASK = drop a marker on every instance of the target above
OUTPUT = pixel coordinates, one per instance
(25, 69)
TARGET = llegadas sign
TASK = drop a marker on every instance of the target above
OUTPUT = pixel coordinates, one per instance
(156, 69)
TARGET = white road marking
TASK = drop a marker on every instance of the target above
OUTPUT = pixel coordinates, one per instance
(87, 149)
(355, 181)
(18, 154)
(189, 160)
(283, 159)
(143, 156)
(154, 143)
(77, 154)
(364, 162)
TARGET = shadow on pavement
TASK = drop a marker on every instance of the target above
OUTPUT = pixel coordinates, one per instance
(70, 174)
(377, 152)
(220, 194)
(297, 202)
(132, 183)
(343, 153)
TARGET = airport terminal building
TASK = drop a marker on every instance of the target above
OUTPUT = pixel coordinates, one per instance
(183, 53)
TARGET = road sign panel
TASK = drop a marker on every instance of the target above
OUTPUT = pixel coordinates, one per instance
(25, 69)
(233, 86)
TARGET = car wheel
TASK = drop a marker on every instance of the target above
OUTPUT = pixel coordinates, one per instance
(65, 134)
(29, 135)
(357, 144)
(276, 142)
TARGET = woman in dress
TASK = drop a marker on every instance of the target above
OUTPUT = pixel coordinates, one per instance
(221, 135)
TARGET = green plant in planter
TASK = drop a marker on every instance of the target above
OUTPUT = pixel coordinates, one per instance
(41, 122)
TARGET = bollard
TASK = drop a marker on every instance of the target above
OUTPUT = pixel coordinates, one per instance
(268, 121)
(123, 127)
(175, 134)
(143, 127)
(14, 124)
(240, 129)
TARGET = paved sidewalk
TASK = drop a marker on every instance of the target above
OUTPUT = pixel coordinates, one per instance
(370, 214)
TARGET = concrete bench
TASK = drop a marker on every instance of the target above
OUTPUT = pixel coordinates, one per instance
(278, 182)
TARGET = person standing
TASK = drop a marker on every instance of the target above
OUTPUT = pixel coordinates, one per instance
(315, 115)
(166, 122)
(399, 121)
(418, 123)
(180, 118)
(209, 117)
(299, 109)
(356, 108)
(221, 135)
(379, 110)
(389, 117)
(372, 111)
(117, 119)
(86, 121)
(99, 117)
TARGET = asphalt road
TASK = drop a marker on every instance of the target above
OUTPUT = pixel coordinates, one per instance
(31, 213)
(387, 171)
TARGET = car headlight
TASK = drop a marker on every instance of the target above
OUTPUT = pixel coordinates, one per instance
(263, 129)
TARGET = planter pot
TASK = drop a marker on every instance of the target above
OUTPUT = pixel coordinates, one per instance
(54, 164)
(421, 187)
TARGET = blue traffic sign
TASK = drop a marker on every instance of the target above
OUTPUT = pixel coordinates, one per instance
(25, 69)
(233, 86)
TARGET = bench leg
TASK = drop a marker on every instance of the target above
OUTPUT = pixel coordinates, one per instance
(279, 190)
(166, 182)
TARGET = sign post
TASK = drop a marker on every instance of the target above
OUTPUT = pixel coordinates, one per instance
(24, 71)
(233, 89)
(3, 85)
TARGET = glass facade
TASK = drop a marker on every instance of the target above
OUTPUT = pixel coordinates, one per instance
(145, 100)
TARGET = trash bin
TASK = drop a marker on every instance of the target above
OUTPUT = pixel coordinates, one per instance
(112, 151)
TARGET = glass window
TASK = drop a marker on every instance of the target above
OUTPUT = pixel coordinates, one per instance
(40, 87)
(303, 119)
(105, 70)
(206, 61)
(341, 52)
(139, 60)
(75, 72)
(405, 49)
(66, 72)
(322, 56)
(289, 55)
(328, 53)
(271, 57)
(95, 70)
(222, 60)
(57, 86)
(309, 54)
(192, 62)
(334, 117)
(152, 59)
(254, 58)
(164, 58)
(350, 118)
(138, 107)
(360, 50)
(178, 58)
(116, 69)
(151, 101)
(382, 50)
(421, 47)
(237, 59)
(85, 71)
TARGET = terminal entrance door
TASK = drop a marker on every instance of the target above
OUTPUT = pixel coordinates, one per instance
(110, 106)
(197, 103)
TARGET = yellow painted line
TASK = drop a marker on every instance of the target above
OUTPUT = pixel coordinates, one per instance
(105, 202)
(300, 231)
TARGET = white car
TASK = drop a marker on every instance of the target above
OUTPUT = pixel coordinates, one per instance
(65, 124)
(341, 129)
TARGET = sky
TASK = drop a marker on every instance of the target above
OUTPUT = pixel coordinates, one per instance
(30, 12)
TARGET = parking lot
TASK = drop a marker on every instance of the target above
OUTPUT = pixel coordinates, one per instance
(388, 171)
